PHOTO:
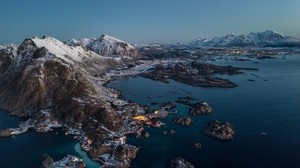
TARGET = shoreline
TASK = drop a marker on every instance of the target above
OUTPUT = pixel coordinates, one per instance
(105, 85)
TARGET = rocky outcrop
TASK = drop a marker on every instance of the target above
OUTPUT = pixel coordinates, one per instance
(222, 131)
(6, 59)
(126, 152)
(183, 121)
(181, 163)
(47, 161)
(197, 145)
(200, 108)
(169, 132)
(185, 100)
(100, 150)
(168, 105)
(5, 132)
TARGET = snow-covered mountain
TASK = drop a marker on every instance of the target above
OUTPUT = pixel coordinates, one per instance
(107, 46)
(110, 46)
(80, 42)
(42, 70)
(267, 38)
(7, 46)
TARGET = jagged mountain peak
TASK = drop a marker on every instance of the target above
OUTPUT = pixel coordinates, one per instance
(230, 35)
(80, 42)
(110, 46)
(106, 45)
(49, 48)
(110, 38)
(53, 46)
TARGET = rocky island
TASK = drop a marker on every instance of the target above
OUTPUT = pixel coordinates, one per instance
(200, 108)
(179, 162)
(183, 121)
(219, 130)
(185, 73)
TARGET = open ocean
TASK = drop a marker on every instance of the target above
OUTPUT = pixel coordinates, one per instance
(266, 114)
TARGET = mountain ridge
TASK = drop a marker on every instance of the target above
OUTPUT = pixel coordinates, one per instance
(107, 46)
(266, 38)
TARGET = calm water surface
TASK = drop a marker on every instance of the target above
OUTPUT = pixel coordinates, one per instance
(25, 150)
(266, 114)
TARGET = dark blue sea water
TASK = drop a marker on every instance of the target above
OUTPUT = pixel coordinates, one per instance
(266, 114)
(25, 150)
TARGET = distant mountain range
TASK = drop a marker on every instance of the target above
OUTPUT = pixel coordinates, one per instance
(267, 38)
(108, 46)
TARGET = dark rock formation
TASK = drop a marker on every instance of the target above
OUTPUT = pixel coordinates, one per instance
(184, 101)
(169, 132)
(183, 121)
(99, 150)
(200, 108)
(126, 152)
(6, 59)
(208, 69)
(197, 145)
(168, 105)
(181, 163)
(141, 133)
(187, 98)
(219, 130)
(5, 132)
(47, 161)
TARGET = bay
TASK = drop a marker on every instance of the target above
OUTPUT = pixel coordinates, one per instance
(25, 150)
(265, 112)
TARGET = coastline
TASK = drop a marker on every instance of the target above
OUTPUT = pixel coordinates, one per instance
(116, 100)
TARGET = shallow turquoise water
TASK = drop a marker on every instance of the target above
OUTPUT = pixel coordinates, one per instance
(270, 104)
(25, 150)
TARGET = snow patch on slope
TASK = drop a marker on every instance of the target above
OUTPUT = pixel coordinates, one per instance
(59, 49)
(80, 42)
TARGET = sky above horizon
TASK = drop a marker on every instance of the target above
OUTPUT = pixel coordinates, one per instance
(138, 21)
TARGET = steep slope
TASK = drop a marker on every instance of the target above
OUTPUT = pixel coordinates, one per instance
(113, 47)
(265, 37)
(45, 74)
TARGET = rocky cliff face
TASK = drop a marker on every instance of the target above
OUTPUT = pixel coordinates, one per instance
(44, 73)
